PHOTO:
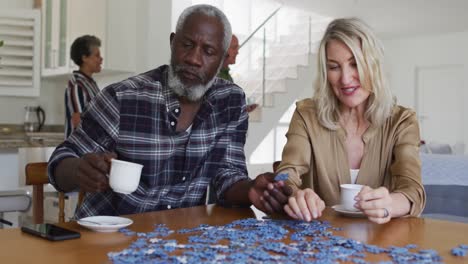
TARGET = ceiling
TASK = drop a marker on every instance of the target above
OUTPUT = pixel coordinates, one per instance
(393, 18)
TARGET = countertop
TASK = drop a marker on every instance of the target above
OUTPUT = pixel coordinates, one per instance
(13, 137)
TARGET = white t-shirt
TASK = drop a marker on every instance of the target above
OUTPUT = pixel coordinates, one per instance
(354, 174)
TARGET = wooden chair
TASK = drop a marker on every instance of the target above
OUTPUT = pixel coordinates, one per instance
(36, 175)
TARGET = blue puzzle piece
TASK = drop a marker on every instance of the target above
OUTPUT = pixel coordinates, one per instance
(281, 177)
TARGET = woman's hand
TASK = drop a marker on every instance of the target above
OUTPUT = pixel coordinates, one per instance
(376, 204)
(304, 205)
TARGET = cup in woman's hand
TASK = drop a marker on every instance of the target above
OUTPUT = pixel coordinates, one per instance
(348, 192)
(124, 176)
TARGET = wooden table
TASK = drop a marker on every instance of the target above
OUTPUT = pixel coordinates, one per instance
(17, 247)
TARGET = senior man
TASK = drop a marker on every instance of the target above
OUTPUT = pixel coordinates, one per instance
(185, 126)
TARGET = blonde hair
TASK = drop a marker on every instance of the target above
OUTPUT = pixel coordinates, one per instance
(368, 53)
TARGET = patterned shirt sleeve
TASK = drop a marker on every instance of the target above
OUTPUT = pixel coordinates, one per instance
(74, 103)
(233, 168)
(74, 98)
(97, 133)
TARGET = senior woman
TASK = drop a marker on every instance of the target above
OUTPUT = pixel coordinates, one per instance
(352, 131)
(81, 87)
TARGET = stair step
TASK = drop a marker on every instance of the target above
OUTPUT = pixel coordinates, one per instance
(255, 86)
(286, 61)
(270, 74)
(257, 97)
(302, 28)
(290, 49)
(297, 17)
(296, 89)
(297, 37)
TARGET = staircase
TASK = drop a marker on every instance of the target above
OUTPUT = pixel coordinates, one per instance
(289, 70)
(279, 98)
(289, 75)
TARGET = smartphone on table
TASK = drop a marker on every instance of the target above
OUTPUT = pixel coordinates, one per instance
(50, 232)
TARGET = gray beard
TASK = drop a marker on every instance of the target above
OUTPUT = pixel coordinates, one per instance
(192, 93)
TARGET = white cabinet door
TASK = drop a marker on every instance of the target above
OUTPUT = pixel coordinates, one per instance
(9, 171)
(64, 21)
(54, 37)
(121, 36)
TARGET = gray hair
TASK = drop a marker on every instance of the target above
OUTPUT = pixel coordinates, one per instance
(369, 54)
(211, 11)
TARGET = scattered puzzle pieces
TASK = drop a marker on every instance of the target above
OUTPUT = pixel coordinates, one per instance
(460, 251)
(261, 241)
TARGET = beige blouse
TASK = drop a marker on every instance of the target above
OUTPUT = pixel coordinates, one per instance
(316, 157)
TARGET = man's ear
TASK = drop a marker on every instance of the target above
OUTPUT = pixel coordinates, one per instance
(171, 37)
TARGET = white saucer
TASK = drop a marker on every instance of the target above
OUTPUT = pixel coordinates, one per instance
(104, 223)
(339, 208)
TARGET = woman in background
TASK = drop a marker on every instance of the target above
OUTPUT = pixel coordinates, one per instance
(352, 131)
(81, 87)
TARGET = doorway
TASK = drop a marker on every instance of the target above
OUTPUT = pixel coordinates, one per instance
(439, 103)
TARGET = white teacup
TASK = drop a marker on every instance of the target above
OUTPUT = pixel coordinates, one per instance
(124, 176)
(348, 192)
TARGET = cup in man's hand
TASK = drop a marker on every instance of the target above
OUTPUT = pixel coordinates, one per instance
(124, 176)
(348, 192)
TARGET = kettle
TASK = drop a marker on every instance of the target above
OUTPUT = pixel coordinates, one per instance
(34, 118)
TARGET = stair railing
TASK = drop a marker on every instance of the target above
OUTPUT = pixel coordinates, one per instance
(260, 27)
(262, 90)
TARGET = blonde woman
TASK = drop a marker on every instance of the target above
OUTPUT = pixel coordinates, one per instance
(352, 131)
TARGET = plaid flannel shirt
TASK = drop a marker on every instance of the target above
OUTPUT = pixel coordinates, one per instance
(136, 119)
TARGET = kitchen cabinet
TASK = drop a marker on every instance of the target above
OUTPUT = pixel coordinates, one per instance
(64, 21)
(19, 55)
(110, 20)
(121, 28)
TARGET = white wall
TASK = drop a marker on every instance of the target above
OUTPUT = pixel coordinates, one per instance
(16, 4)
(153, 30)
(177, 8)
(405, 55)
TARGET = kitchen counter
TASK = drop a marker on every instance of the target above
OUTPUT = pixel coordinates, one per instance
(12, 137)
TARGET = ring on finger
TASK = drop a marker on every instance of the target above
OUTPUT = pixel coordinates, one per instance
(386, 213)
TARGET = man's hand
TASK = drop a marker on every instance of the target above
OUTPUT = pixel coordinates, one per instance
(267, 195)
(92, 171)
(251, 107)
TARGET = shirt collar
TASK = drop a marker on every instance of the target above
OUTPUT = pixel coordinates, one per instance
(172, 102)
(82, 74)
(170, 97)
